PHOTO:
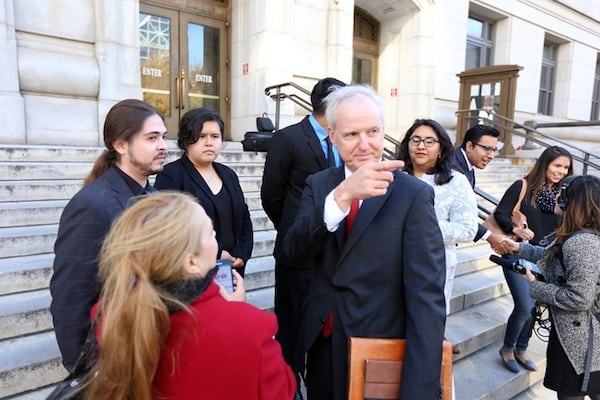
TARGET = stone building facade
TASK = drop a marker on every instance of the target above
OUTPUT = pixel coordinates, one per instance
(65, 62)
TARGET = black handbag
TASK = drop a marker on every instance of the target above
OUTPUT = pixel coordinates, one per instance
(261, 140)
(70, 388)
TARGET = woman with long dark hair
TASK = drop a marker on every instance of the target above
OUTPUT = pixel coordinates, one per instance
(571, 290)
(542, 184)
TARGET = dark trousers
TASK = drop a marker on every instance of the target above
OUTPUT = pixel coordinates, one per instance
(291, 288)
(518, 327)
(319, 373)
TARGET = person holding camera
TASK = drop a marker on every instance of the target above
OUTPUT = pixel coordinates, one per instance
(535, 198)
(571, 290)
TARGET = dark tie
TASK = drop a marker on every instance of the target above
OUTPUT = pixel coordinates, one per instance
(330, 155)
(354, 206)
(472, 172)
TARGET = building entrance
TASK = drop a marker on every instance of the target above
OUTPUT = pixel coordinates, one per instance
(183, 62)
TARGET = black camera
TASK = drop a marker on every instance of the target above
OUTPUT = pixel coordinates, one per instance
(518, 265)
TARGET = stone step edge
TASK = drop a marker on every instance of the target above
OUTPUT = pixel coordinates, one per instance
(493, 380)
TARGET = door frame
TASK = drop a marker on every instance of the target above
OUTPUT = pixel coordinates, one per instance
(213, 17)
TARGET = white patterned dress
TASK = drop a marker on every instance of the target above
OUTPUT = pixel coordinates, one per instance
(456, 211)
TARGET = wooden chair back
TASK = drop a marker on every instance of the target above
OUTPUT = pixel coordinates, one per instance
(375, 368)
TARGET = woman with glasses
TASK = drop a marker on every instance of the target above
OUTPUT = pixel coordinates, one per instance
(428, 153)
(542, 184)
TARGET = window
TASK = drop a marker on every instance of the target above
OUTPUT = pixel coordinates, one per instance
(595, 115)
(366, 48)
(546, 95)
(479, 43)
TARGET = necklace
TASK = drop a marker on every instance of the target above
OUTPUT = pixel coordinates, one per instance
(212, 174)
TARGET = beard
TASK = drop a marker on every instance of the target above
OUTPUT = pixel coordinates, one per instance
(146, 168)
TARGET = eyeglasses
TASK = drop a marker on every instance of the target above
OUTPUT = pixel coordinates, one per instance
(415, 140)
(488, 149)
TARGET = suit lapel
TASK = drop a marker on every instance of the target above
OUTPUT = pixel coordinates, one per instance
(117, 183)
(313, 143)
(368, 210)
(463, 166)
(195, 176)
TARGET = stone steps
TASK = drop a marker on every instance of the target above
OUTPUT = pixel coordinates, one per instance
(26, 326)
(28, 363)
(26, 171)
(21, 274)
(26, 261)
(36, 190)
(481, 375)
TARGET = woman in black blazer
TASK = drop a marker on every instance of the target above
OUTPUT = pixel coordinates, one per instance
(215, 185)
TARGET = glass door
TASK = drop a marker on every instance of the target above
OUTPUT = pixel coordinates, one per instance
(183, 60)
(364, 69)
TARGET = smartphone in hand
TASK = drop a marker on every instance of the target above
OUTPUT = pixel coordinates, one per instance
(519, 266)
(224, 276)
(535, 270)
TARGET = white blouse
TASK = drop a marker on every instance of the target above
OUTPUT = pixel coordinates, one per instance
(456, 211)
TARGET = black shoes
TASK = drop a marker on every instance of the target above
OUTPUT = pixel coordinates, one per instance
(520, 358)
(525, 361)
(510, 365)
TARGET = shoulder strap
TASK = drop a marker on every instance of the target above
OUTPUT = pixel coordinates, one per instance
(521, 195)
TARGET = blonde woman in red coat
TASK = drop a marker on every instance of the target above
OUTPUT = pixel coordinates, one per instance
(168, 331)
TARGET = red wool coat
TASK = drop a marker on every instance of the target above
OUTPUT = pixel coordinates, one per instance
(226, 350)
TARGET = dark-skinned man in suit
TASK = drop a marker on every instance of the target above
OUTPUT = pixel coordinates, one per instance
(135, 140)
(298, 151)
(382, 279)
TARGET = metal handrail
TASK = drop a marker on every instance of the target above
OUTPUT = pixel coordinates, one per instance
(279, 96)
(585, 160)
(513, 127)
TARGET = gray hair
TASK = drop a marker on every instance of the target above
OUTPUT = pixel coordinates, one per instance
(336, 97)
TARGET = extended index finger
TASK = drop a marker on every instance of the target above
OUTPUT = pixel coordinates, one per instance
(389, 165)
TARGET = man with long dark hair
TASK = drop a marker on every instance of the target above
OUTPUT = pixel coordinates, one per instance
(134, 136)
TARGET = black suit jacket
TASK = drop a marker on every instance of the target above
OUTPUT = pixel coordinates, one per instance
(74, 286)
(295, 154)
(386, 280)
(182, 175)
(460, 164)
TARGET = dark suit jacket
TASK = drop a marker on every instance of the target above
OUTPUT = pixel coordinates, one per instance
(182, 175)
(295, 154)
(460, 164)
(74, 286)
(386, 280)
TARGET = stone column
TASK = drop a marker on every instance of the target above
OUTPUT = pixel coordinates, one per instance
(117, 52)
(12, 117)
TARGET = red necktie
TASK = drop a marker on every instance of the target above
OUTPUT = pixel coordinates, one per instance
(328, 325)
(351, 216)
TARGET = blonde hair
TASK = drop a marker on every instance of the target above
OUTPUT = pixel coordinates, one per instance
(146, 247)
